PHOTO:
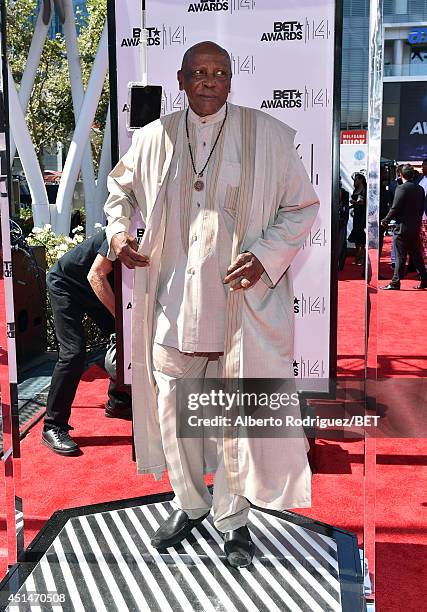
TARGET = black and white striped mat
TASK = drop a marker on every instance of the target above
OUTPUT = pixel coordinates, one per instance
(104, 562)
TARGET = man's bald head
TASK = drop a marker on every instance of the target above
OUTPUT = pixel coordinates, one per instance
(204, 47)
(205, 76)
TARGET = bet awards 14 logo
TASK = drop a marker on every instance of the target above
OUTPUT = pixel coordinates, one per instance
(307, 30)
(207, 5)
(284, 98)
(311, 305)
(309, 368)
(284, 30)
(163, 36)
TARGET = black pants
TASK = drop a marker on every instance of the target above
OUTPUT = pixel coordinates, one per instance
(404, 244)
(68, 313)
(381, 234)
(342, 243)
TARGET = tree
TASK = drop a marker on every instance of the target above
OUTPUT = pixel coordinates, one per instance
(50, 115)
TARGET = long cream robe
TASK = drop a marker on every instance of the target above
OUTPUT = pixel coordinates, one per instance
(277, 208)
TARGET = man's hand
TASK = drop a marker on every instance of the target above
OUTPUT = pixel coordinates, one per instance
(247, 269)
(384, 222)
(125, 247)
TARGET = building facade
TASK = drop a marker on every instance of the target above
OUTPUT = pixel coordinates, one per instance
(355, 57)
(405, 72)
(405, 81)
(405, 75)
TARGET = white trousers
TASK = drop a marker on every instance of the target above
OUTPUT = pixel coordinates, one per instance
(185, 456)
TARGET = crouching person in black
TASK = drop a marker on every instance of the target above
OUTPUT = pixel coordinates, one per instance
(72, 297)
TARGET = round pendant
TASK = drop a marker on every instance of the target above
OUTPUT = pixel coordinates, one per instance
(199, 185)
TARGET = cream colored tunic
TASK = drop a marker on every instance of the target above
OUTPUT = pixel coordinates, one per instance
(275, 206)
(192, 298)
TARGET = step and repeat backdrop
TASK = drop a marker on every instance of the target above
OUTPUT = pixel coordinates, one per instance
(283, 63)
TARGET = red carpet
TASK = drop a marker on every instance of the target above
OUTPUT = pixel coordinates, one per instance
(401, 548)
(402, 347)
(351, 321)
(105, 472)
(401, 473)
(401, 323)
(3, 377)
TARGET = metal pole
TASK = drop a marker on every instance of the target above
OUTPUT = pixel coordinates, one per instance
(376, 49)
(8, 374)
(103, 172)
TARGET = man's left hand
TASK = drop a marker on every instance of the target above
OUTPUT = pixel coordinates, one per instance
(247, 269)
(383, 222)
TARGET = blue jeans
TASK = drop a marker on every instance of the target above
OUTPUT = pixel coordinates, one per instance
(393, 249)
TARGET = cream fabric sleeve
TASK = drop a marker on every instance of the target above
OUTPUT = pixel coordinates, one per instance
(121, 202)
(297, 211)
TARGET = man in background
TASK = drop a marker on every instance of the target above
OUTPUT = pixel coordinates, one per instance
(407, 210)
(72, 297)
(392, 190)
(396, 182)
(343, 216)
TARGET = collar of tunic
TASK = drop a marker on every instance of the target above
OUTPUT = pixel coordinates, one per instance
(208, 119)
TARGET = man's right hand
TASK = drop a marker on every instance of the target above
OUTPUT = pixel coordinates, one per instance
(125, 247)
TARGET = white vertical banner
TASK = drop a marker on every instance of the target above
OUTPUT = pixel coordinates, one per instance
(283, 63)
(353, 158)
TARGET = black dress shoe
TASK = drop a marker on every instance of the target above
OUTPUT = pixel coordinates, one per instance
(175, 529)
(239, 547)
(113, 412)
(391, 287)
(420, 286)
(60, 441)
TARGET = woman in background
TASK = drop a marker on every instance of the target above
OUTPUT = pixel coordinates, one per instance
(343, 214)
(358, 204)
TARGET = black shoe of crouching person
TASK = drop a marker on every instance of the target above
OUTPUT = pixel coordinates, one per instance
(59, 441)
(113, 412)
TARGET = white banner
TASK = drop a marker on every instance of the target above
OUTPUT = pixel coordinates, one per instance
(353, 158)
(283, 63)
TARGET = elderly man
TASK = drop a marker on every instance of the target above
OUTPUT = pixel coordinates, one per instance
(227, 205)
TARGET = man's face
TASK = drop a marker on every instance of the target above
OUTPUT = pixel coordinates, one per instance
(206, 79)
(425, 168)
